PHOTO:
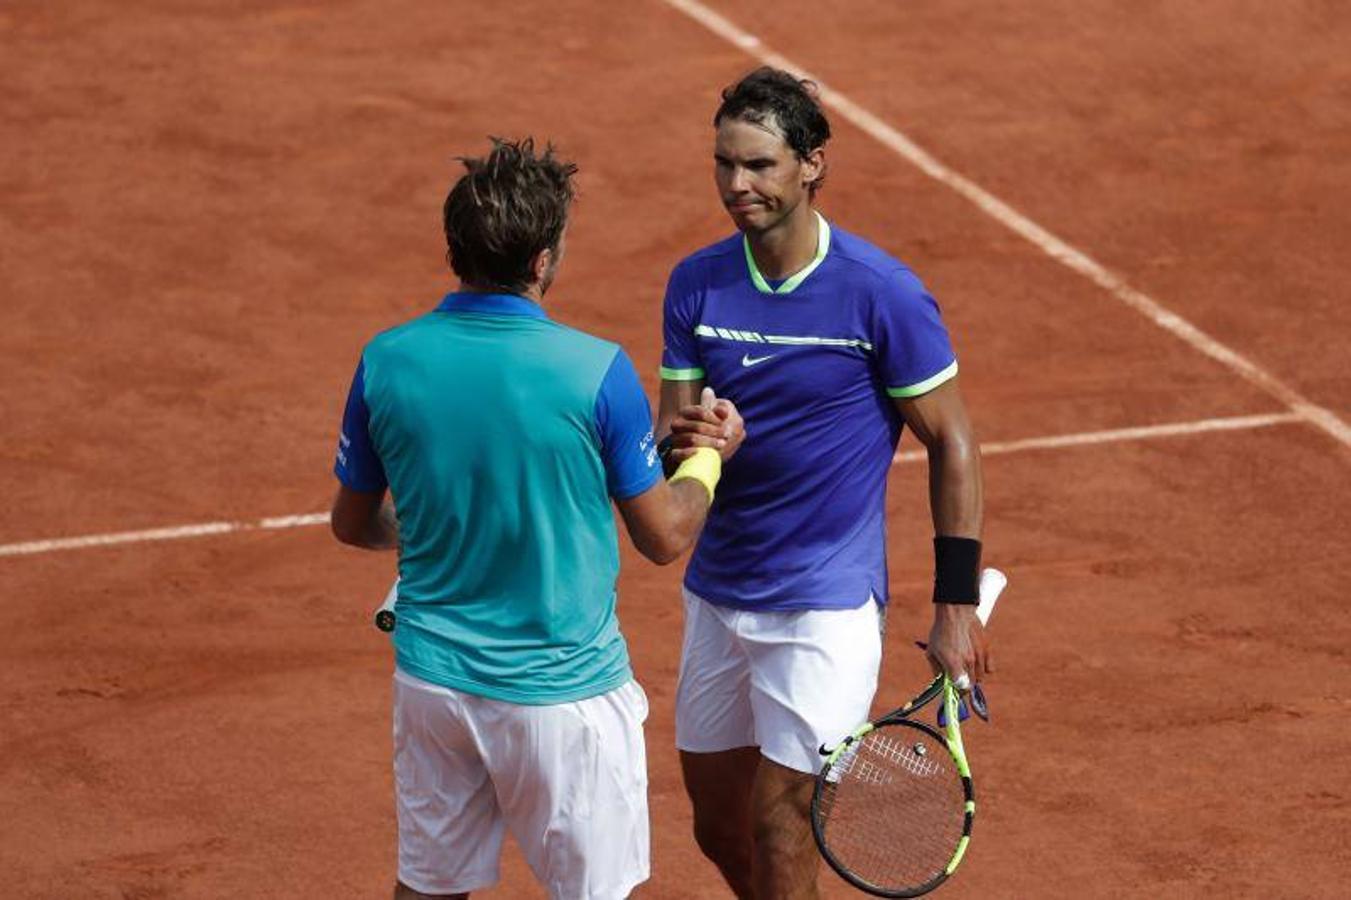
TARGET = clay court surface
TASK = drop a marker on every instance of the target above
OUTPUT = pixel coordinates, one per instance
(207, 208)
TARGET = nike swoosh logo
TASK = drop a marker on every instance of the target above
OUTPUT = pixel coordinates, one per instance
(748, 360)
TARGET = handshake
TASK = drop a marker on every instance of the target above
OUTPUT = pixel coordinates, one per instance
(713, 422)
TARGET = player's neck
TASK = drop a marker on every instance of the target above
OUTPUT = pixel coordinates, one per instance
(789, 246)
(530, 292)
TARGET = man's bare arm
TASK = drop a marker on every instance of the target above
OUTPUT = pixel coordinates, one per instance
(364, 519)
(675, 396)
(664, 520)
(939, 420)
(691, 416)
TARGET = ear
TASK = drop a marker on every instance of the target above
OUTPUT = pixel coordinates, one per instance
(813, 165)
(540, 265)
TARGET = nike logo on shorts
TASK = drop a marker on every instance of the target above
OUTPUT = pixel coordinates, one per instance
(748, 360)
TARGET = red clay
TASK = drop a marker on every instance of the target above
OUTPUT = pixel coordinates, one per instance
(205, 211)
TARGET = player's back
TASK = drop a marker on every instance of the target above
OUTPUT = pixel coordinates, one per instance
(484, 420)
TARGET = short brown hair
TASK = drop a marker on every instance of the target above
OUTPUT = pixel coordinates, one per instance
(504, 210)
(770, 96)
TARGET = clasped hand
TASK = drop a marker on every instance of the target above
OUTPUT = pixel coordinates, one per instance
(712, 422)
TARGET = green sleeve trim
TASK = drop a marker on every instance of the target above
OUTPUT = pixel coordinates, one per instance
(928, 384)
(822, 247)
(681, 374)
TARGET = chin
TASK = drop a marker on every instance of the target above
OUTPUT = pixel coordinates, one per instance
(752, 221)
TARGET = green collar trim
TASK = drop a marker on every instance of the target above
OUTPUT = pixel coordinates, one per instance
(822, 247)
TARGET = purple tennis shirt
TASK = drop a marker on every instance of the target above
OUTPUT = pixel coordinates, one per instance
(813, 364)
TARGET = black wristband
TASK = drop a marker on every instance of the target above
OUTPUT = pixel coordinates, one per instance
(664, 448)
(956, 570)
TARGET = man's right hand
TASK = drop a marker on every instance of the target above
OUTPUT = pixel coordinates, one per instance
(713, 422)
(664, 521)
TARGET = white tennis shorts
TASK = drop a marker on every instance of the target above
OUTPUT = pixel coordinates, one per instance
(786, 682)
(569, 780)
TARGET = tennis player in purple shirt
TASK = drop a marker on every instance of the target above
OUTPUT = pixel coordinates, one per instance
(828, 347)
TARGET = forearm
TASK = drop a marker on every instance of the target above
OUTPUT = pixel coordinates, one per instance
(365, 520)
(382, 532)
(665, 520)
(955, 487)
(957, 643)
(674, 396)
(685, 515)
(955, 501)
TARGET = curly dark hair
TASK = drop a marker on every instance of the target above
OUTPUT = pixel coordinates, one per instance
(505, 209)
(773, 97)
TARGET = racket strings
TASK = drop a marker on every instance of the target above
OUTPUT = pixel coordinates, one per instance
(892, 808)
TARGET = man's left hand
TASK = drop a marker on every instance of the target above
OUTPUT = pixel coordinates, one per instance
(957, 643)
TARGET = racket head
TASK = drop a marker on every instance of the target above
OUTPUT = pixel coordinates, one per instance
(893, 807)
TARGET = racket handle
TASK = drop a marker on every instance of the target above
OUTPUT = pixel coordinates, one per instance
(385, 619)
(992, 584)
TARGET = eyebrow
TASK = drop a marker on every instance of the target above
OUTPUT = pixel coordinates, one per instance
(751, 159)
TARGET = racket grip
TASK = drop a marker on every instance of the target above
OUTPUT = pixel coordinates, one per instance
(385, 619)
(992, 584)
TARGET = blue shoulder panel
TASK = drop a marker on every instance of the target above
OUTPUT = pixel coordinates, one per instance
(624, 423)
(357, 466)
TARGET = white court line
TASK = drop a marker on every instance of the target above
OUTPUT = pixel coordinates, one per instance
(1119, 434)
(1235, 423)
(1048, 243)
(159, 534)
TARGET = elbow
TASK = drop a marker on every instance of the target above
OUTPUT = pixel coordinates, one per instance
(668, 555)
(663, 550)
(958, 449)
(661, 555)
(343, 531)
(663, 523)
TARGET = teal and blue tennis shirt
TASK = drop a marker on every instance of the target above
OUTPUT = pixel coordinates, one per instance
(502, 436)
(814, 364)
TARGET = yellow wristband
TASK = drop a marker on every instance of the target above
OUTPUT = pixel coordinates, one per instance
(705, 467)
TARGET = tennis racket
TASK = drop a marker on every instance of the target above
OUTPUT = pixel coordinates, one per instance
(893, 805)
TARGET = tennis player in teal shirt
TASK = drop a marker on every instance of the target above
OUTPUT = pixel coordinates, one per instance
(503, 437)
